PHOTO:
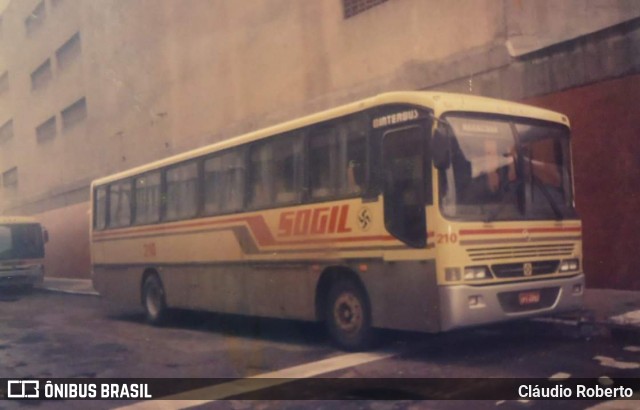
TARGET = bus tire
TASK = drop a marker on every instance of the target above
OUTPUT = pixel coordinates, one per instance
(348, 316)
(153, 300)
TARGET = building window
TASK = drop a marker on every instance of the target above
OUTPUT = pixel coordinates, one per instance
(68, 52)
(10, 178)
(4, 82)
(74, 114)
(35, 19)
(6, 131)
(41, 76)
(47, 130)
(353, 7)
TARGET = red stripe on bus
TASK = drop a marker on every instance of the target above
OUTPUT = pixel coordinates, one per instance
(515, 231)
(135, 230)
(257, 226)
(260, 230)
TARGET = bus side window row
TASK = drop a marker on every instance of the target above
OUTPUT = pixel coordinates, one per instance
(272, 174)
(147, 188)
(224, 177)
(275, 172)
(182, 191)
(338, 160)
(120, 204)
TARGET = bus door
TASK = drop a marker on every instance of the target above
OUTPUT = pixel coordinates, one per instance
(403, 151)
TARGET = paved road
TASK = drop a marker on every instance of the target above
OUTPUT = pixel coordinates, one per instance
(46, 335)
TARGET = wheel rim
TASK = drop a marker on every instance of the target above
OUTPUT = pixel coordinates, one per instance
(347, 313)
(153, 300)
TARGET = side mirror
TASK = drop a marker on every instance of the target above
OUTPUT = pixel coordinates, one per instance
(441, 147)
(45, 235)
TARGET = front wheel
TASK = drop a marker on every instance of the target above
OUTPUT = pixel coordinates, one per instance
(348, 316)
(153, 300)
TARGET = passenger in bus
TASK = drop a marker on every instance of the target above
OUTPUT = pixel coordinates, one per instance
(475, 180)
(355, 176)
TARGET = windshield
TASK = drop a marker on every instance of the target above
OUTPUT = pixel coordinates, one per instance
(21, 242)
(506, 170)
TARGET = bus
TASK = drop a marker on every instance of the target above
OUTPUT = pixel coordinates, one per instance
(420, 211)
(21, 252)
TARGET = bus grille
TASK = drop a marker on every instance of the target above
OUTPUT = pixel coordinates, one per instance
(510, 301)
(515, 270)
(525, 251)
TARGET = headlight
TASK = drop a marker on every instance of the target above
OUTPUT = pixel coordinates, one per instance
(569, 265)
(476, 273)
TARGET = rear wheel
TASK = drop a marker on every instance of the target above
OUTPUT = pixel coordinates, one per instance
(153, 300)
(348, 316)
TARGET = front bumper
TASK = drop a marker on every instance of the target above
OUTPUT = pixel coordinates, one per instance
(465, 305)
(22, 276)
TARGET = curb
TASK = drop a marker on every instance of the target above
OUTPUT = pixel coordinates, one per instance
(68, 291)
(68, 286)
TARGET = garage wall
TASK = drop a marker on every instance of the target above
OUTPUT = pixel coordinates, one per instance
(606, 158)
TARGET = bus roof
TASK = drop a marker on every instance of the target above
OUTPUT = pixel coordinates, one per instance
(439, 102)
(11, 220)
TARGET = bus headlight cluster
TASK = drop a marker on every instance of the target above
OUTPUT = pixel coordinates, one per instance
(569, 265)
(476, 273)
(470, 273)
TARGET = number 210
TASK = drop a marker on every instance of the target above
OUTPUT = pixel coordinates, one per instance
(443, 238)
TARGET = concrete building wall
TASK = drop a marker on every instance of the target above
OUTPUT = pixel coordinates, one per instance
(44, 164)
(162, 76)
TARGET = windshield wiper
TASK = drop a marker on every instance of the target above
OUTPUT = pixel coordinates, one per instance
(547, 195)
(554, 206)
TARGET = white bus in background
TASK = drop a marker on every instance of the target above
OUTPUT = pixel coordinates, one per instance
(22, 242)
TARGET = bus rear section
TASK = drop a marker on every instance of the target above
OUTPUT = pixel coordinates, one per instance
(21, 252)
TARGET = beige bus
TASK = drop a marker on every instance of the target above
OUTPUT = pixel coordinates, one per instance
(420, 211)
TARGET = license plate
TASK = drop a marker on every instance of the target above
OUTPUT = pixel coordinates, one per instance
(528, 298)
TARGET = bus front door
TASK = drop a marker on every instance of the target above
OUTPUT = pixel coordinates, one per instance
(404, 196)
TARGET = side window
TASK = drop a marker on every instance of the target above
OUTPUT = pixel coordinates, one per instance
(354, 146)
(224, 182)
(147, 198)
(120, 204)
(100, 208)
(338, 159)
(182, 191)
(275, 172)
(323, 163)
